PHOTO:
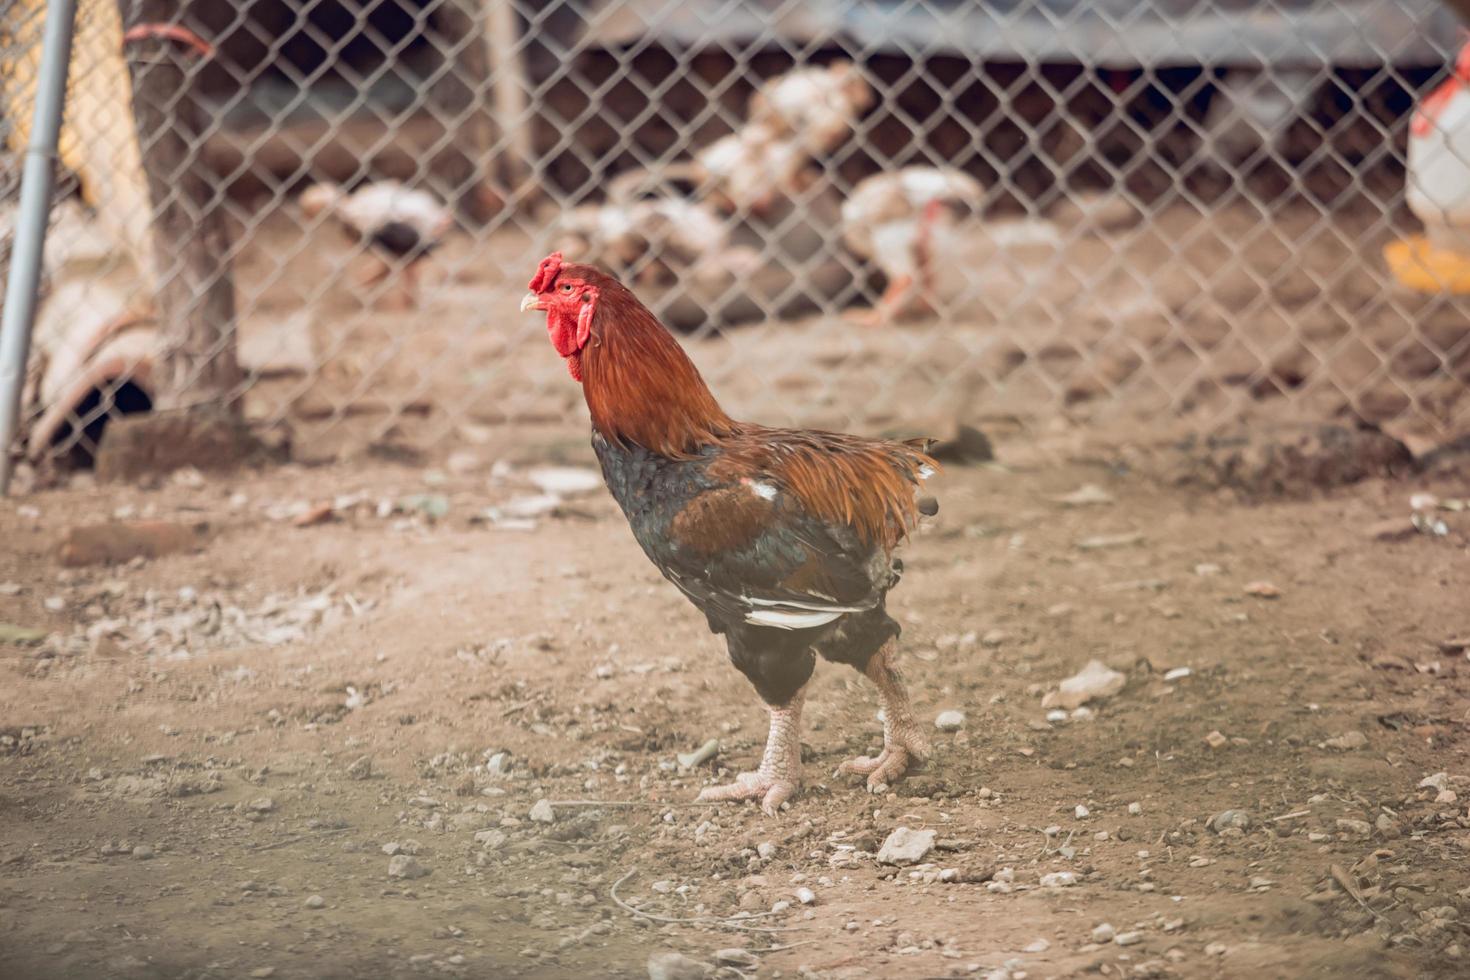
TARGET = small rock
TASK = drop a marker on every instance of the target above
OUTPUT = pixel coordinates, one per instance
(1216, 740)
(391, 848)
(806, 896)
(1058, 879)
(1238, 819)
(143, 852)
(261, 972)
(1087, 495)
(405, 866)
(543, 812)
(1103, 933)
(766, 850)
(361, 769)
(1093, 682)
(668, 965)
(905, 846)
(315, 902)
(1262, 590)
(1177, 673)
(950, 721)
(994, 638)
(263, 804)
(491, 840)
(1130, 938)
(1082, 813)
(1135, 809)
(1215, 949)
(1347, 741)
(1036, 946)
(740, 959)
(1361, 828)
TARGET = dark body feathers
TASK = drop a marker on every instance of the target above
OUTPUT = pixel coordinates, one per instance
(780, 583)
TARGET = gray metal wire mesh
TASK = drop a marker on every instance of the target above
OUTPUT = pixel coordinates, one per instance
(1151, 211)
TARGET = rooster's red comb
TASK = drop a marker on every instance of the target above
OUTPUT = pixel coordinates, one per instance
(546, 272)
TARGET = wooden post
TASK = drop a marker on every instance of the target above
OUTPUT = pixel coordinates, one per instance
(462, 165)
(191, 243)
(512, 90)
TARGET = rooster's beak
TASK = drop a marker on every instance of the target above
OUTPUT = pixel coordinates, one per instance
(530, 301)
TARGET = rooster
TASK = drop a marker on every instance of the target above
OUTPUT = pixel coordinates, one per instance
(783, 538)
(398, 225)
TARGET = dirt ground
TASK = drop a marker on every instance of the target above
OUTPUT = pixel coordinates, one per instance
(206, 761)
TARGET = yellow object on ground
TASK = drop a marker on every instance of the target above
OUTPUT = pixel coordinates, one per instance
(1420, 265)
(98, 141)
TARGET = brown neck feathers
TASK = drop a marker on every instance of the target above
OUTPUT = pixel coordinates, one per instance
(640, 385)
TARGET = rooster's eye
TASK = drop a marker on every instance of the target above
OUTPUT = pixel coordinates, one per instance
(566, 287)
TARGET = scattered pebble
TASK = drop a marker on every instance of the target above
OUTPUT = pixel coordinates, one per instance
(1225, 819)
(1087, 495)
(740, 959)
(1058, 879)
(1215, 949)
(1178, 673)
(905, 846)
(1130, 938)
(766, 850)
(1216, 740)
(405, 866)
(143, 852)
(1103, 933)
(806, 896)
(1347, 741)
(1093, 682)
(1036, 946)
(1082, 813)
(669, 965)
(315, 902)
(543, 812)
(1135, 809)
(950, 721)
(361, 769)
(1262, 590)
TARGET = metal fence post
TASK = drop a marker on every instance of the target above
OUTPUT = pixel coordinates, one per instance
(37, 180)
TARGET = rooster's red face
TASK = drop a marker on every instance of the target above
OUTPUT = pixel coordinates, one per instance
(569, 303)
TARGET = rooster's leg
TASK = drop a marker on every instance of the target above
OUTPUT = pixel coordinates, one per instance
(780, 770)
(903, 741)
(890, 305)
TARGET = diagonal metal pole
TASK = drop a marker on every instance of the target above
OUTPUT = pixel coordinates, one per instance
(37, 180)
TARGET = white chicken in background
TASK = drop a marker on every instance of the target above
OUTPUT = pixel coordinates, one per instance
(398, 225)
(816, 107)
(748, 170)
(653, 241)
(899, 221)
(1251, 111)
(795, 120)
(922, 227)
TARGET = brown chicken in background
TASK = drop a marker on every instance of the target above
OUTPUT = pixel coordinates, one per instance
(783, 538)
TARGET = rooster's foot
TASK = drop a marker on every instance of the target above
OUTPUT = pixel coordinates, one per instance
(772, 791)
(883, 769)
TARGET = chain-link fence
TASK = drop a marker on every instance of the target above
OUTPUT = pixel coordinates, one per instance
(863, 213)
